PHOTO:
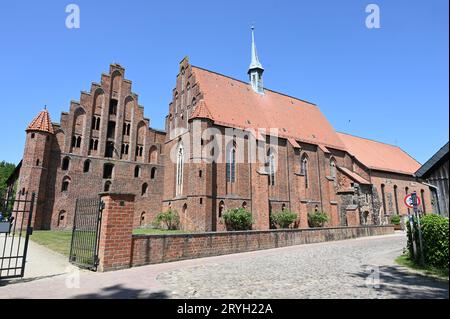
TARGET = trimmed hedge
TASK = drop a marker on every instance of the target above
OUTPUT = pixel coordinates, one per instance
(317, 219)
(169, 218)
(435, 231)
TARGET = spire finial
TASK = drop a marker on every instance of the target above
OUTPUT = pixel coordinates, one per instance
(45, 106)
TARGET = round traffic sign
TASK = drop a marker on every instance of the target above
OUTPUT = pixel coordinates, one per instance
(408, 201)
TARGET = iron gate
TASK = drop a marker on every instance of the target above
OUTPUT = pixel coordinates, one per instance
(15, 230)
(86, 233)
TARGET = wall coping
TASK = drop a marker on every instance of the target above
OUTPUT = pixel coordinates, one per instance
(244, 232)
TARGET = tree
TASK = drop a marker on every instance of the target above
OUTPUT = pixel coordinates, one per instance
(6, 170)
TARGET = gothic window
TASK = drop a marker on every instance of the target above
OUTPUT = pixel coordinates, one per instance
(194, 101)
(137, 171)
(113, 106)
(38, 162)
(126, 129)
(65, 164)
(244, 205)
(144, 189)
(422, 197)
(32, 135)
(333, 168)
(179, 171)
(87, 166)
(111, 129)
(108, 170)
(78, 142)
(231, 164)
(97, 124)
(304, 169)
(188, 92)
(396, 200)
(65, 184)
(61, 222)
(107, 186)
(142, 219)
(153, 155)
(95, 145)
(109, 150)
(153, 173)
(221, 208)
(271, 167)
(383, 196)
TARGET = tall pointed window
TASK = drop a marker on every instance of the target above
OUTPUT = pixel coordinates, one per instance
(231, 164)
(304, 169)
(179, 172)
(271, 166)
(333, 168)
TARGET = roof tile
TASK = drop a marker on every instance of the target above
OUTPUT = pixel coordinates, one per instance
(41, 123)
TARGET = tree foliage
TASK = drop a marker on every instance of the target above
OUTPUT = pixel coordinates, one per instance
(284, 219)
(5, 171)
(238, 219)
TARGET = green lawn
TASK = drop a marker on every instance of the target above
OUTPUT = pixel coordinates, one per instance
(59, 241)
(404, 260)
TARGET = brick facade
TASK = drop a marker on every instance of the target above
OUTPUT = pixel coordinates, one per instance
(107, 127)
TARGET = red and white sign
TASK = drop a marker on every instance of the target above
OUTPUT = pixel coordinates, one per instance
(408, 201)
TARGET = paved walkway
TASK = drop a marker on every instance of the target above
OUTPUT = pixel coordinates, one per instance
(343, 269)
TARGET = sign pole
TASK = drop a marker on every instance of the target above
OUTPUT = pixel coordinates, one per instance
(415, 205)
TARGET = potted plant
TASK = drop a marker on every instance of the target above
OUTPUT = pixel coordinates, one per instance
(395, 220)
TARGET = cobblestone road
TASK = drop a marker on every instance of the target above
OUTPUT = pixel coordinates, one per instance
(347, 269)
(344, 269)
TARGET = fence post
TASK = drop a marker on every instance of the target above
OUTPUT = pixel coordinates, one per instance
(116, 231)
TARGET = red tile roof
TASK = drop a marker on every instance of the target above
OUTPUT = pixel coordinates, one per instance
(202, 111)
(354, 176)
(380, 156)
(41, 123)
(233, 103)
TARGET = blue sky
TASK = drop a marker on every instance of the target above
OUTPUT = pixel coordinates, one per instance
(388, 84)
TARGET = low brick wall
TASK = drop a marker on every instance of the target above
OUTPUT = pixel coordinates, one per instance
(153, 249)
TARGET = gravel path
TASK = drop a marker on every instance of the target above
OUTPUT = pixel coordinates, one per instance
(357, 268)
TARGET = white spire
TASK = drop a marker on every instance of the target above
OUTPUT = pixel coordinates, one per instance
(255, 64)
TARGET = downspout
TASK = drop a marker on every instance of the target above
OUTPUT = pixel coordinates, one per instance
(320, 184)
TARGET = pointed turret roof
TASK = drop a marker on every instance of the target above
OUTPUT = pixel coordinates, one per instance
(202, 111)
(254, 64)
(41, 123)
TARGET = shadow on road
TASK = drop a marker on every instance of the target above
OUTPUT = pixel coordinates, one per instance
(399, 283)
(120, 292)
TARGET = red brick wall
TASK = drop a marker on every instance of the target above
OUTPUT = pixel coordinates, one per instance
(116, 232)
(151, 249)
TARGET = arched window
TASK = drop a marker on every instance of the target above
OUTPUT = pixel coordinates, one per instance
(137, 171)
(113, 106)
(333, 168)
(38, 162)
(179, 172)
(61, 222)
(78, 142)
(244, 205)
(144, 189)
(231, 164)
(194, 102)
(397, 211)
(153, 173)
(304, 168)
(271, 166)
(422, 197)
(188, 92)
(95, 145)
(108, 170)
(221, 208)
(283, 207)
(97, 124)
(65, 163)
(33, 135)
(153, 155)
(86, 166)
(383, 197)
(65, 184)
(107, 186)
(142, 219)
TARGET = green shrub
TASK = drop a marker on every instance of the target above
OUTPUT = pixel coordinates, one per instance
(238, 219)
(284, 219)
(317, 219)
(395, 220)
(435, 240)
(169, 218)
(435, 230)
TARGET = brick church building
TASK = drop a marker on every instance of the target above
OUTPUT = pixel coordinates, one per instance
(226, 143)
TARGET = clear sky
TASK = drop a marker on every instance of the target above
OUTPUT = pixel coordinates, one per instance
(388, 84)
